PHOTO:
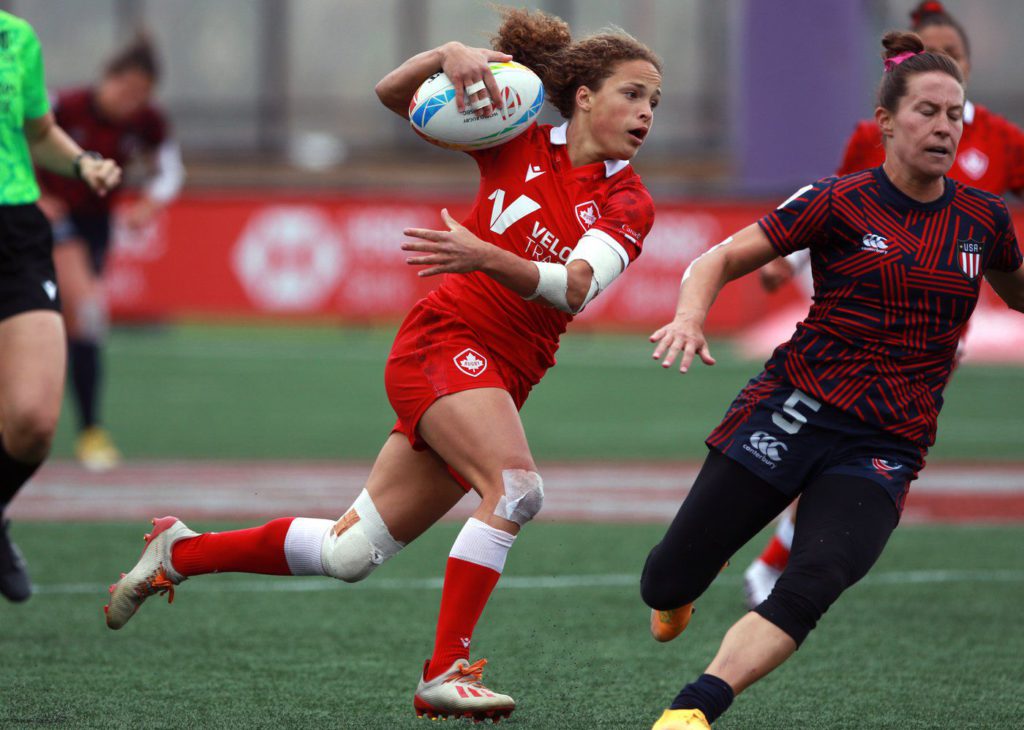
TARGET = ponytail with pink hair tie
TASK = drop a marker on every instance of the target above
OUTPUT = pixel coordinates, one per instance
(891, 63)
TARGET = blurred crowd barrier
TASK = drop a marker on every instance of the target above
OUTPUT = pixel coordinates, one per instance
(239, 255)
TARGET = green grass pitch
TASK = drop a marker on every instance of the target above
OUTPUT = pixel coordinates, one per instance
(930, 639)
(318, 393)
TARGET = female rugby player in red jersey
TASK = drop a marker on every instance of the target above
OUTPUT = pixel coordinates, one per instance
(117, 118)
(844, 412)
(559, 214)
(990, 157)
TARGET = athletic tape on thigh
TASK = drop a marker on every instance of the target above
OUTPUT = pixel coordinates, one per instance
(523, 497)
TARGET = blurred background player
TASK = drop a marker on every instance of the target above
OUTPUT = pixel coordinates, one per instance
(844, 413)
(990, 157)
(468, 354)
(32, 348)
(117, 118)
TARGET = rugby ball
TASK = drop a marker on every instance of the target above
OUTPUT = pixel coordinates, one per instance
(434, 116)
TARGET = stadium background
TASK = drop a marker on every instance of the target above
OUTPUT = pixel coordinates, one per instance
(245, 382)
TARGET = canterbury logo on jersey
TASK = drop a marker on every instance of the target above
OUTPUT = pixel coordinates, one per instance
(874, 242)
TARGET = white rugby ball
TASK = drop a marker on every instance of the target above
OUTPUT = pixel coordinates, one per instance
(434, 116)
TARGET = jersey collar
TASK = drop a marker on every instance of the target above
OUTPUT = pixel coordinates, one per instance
(897, 197)
(559, 137)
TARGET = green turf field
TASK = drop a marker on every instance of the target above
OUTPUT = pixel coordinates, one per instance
(318, 393)
(930, 640)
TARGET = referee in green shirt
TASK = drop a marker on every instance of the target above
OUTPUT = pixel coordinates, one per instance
(32, 340)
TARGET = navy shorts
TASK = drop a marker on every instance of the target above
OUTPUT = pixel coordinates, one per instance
(789, 439)
(94, 230)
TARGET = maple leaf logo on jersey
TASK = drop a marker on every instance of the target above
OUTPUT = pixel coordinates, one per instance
(969, 257)
(470, 362)
(973, 162)
(587, 214)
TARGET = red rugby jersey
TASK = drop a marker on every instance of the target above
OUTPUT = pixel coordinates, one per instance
(76, 113)
(990, 155)
(534, 203)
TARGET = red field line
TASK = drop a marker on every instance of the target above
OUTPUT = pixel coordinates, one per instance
(606, 492)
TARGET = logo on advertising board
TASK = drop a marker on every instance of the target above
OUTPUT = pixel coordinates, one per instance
(968, 255)
(289, 258)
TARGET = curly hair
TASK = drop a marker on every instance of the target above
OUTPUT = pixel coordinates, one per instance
(544, 44)
(894, 80)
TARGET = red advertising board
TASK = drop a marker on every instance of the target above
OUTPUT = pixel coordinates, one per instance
(257, 255)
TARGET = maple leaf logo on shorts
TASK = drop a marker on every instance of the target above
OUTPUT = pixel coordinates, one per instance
(470, 362)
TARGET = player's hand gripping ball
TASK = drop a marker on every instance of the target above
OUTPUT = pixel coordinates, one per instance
(434, 116)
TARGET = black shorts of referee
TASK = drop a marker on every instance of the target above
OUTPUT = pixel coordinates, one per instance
(27, 278)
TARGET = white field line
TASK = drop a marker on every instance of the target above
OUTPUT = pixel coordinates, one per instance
(511, 582)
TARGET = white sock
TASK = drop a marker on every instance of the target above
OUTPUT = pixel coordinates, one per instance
(482, 544)
(302, 545)
(784, 530)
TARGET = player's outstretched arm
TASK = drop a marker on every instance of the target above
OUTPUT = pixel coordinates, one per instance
(1009, 286)
(459, 251)
(465, 66)
(738, 255)
(53, 149)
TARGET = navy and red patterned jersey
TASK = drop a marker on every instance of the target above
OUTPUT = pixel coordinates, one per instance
(895, 281)
(76, 113)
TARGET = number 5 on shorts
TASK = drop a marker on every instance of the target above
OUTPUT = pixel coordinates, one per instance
(796, 418)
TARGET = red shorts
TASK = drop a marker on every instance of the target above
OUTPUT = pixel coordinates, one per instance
(436, 354)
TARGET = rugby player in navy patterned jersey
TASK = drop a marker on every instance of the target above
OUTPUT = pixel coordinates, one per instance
(844, 413)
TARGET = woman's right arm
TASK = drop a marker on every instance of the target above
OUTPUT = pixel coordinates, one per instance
(465, 66)
(737, 256)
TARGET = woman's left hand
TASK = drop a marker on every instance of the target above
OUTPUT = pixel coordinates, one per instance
(455, 251)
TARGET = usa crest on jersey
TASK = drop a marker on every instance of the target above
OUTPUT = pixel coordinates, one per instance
(969, 257)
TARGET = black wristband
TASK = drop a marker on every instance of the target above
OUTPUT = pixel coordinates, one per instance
(77, 164)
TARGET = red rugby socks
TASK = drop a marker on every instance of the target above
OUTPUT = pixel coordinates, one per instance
(474, 566)
(254, 550)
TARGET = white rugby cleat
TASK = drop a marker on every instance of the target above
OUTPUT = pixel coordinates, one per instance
(758, 581)
(152, 574)
(459, 692)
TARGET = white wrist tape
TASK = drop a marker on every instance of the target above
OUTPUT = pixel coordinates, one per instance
(552, 285)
